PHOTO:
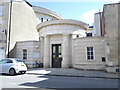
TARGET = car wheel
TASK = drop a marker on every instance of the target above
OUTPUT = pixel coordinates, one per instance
(12, 71)
(24, 72)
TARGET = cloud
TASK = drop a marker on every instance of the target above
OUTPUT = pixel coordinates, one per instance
(88, 17)
(114, 1)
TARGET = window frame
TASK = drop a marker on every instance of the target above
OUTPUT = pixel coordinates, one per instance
(90, 55)
(25, 54)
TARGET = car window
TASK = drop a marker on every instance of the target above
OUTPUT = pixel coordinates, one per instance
(0, 61)
(9, 61)
(3, 61)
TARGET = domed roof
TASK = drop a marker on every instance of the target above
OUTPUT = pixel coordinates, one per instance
(63, 21)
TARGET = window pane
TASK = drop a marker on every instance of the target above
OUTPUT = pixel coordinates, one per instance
(88, 53)
(4, 61)
(60, 49)
(88, 57)
(92, 57)
(54, 56)
(91, 48)
(88, 49)
(91, 53)
(24, 53)
(60, 56)
(53, 49)
(9, 61)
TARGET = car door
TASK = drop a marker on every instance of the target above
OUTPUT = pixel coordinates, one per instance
(2, 64)
(7, 65)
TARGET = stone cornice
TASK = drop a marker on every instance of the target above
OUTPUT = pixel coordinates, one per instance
(62, 22)
(47, 14)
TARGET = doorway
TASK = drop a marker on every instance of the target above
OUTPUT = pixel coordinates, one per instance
(56, 55)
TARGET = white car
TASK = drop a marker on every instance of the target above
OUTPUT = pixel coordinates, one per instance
(12, 66)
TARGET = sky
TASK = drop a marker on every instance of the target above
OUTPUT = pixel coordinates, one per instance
(82, 10)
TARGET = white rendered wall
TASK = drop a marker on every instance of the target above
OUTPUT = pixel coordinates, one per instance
(23, 23)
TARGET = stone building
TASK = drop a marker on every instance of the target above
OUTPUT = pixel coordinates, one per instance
(39, 34)
(107, 26)
(112, 36)
(56, 37)
(19, 25)
(4, 26)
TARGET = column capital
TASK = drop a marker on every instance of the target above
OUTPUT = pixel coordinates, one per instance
(41, 38)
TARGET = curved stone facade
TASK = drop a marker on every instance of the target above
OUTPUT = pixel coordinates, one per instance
(44, 14)
(58, 32)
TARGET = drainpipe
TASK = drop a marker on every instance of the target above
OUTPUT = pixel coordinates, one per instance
(9, 31)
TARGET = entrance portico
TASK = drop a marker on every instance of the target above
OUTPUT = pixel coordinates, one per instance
(56, 42)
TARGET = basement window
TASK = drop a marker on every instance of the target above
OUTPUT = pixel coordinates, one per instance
(89, 35)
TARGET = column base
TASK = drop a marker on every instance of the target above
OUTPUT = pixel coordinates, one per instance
(46, 65)
(66, 66)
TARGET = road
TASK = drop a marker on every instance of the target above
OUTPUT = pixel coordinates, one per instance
(42, 81)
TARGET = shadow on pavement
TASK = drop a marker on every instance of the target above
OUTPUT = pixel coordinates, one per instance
(4, 74)
(52, 82)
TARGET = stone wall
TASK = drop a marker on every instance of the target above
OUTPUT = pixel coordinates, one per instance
(97, 24)
(80, 53)
(112, 15)
(33, 52)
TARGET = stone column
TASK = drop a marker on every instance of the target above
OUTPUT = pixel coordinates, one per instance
(65, 51)
(46, 58)
(41, 49)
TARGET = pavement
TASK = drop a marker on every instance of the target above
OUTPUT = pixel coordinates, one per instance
(73, 73)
